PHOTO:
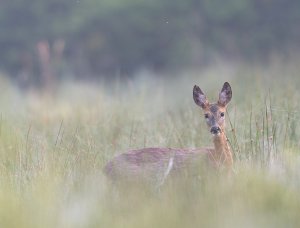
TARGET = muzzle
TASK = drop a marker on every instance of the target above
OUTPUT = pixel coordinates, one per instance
(215, 130)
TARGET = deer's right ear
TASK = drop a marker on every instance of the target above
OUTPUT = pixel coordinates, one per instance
(199, 97)
(225, 95)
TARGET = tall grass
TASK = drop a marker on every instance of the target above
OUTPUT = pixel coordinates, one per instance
(53, 149)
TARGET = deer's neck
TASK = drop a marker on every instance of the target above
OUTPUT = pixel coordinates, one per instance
(222, 155)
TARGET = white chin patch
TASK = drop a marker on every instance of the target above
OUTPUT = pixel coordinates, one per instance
(216, 134)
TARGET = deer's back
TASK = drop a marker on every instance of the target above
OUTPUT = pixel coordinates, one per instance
(153, 164)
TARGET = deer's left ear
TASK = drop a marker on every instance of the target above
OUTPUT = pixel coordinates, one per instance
(199, 97)
(225, 95)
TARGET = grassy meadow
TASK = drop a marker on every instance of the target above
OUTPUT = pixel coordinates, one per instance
(53, 148)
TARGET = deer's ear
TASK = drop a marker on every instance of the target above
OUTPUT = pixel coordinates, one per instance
(199, 97)
(225, 95)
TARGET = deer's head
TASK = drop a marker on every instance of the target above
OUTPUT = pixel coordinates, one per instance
(214, 113)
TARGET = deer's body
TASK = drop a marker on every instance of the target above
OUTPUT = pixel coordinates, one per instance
(156, 164)
(153, 164)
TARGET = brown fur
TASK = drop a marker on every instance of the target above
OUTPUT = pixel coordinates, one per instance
(222, 155)
(155, 164)
(152, 163)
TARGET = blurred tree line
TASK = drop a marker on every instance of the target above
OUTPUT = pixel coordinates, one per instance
(108, 37)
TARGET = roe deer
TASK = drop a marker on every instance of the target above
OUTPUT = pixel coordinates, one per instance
(156, 164)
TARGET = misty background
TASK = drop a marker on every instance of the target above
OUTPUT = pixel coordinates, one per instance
(45, 41)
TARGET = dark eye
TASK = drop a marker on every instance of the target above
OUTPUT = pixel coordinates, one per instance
(206, 116)
(222, 114)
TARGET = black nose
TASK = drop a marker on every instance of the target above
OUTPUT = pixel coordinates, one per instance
(215, 130)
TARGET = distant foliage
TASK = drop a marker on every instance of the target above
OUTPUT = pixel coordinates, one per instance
(120, 36)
